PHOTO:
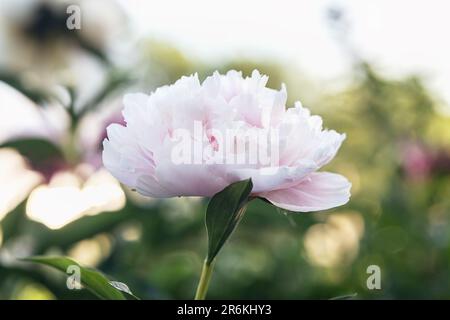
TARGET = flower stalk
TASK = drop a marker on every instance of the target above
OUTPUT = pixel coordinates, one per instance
(205, 277)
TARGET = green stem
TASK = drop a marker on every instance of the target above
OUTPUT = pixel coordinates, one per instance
(203, 284)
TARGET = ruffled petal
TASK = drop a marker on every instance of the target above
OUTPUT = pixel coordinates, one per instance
(319, 191)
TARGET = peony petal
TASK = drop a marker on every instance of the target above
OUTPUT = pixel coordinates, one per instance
(319, 191)
(136, 107)
(147, 185)
(274, 178)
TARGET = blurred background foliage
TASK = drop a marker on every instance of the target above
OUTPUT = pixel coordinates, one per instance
(56, 199)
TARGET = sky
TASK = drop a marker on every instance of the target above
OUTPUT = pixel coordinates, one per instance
(398, 36)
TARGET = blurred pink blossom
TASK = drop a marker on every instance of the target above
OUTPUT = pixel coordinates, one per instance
(420, 161)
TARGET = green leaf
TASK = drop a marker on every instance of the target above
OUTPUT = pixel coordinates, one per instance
(345, 297)
(124, 288)
(225, 209)
(35, 149)
(90, 278)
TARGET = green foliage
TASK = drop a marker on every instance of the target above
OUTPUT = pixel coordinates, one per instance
(91, 279)
(225, 210)
(35, 150)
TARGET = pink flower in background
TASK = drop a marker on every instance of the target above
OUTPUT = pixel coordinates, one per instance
(282, 148)
(416, 160)
(420, 162)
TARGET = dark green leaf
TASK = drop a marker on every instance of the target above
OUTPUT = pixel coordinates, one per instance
(91, 279)
(225, 209)
(36, 150)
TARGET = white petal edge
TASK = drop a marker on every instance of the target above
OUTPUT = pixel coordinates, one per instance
(319, 191)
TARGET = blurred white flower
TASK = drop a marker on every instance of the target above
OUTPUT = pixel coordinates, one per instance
(280, 149)
(20, 118)
(39, 49)
(88, 191)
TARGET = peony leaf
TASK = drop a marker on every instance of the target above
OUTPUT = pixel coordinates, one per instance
(123, 287)
(225, 209)
(345, 297)
(90, 278)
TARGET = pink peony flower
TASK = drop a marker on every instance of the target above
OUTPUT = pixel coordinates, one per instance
(194, 139)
